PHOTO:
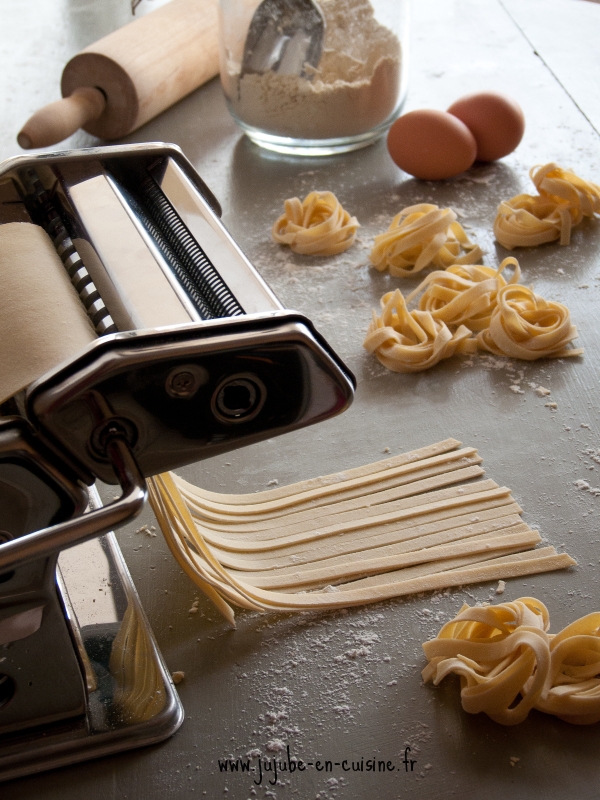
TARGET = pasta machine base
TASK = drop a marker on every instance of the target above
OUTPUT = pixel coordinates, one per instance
(117, 709)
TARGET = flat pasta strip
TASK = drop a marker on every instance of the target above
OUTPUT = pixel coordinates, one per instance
(315, 226)
(324, 573)
(360, 493)
(193, 558)
(439, 502)
(437, 538)
(469, 569)
(564, 199)
(412, 341)
(317, 491)
(420, 236)
(509, 663)
(298, 522)
(408, 543)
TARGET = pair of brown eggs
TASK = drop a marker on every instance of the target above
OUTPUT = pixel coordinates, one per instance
(433, 145)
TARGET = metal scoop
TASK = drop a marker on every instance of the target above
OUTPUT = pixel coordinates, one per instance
(284, 36)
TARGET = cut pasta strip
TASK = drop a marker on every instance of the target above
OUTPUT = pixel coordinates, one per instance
(336, 513)
(392, 486)
(564, 199)
(420, 236)
(509, 663)
(359, 566)
(437, 538)
(408, 544)
(139, 691)
(174, 524)
(317, 491)
(513, 566)
(436, 503)
(369, 490)
(315, 226)
(383, 536)
(412, 341)
(345, 542)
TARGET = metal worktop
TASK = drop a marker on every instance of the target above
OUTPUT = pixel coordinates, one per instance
(347, 685)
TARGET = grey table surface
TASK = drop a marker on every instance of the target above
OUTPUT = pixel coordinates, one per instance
(346, 685)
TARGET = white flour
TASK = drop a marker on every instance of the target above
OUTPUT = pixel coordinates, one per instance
(354, 89)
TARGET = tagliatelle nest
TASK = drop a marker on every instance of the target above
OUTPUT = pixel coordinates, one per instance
(508, 663)
(526, 326)
(507, 318)
(420, 236)
(564, 199)
(316, 226)
(464, 294)
(412, 341)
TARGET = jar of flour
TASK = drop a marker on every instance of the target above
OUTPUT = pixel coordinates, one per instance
(345, 99)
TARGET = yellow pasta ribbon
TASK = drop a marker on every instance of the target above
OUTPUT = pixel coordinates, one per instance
(420, 236)
(573, 686)
(412, 341)
(316, 226)
(526, 326)
(564, 199)
(464, 294)
(508, 663)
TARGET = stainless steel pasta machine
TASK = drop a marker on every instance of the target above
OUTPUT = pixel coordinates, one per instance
(194, 356)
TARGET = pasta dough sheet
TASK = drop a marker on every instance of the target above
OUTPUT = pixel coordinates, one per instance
(42, 321)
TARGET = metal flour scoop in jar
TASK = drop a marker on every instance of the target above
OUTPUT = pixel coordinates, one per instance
(284, 36)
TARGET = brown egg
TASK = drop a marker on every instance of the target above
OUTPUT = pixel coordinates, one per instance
(431, 144)
(495, 120)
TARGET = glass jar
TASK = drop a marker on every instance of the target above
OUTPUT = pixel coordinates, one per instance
(345, 99)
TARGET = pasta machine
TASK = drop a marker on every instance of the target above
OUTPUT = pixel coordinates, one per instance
(190, 355)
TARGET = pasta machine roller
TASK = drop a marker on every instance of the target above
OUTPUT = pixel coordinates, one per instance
(192, 356)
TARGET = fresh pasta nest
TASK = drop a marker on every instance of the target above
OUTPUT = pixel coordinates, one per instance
(464, 295)
(564, 199)
(509, 663)
(420, 236)
(315, 226)
(524, 325)
(412, 341)
(467, 308)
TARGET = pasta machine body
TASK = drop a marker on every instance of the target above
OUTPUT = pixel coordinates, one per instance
(193, 356)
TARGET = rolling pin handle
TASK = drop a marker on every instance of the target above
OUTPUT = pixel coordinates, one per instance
(58, 120)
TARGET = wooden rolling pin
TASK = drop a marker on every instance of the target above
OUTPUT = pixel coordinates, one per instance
(117, 84)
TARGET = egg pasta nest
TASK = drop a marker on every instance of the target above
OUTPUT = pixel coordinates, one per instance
(420, 236)
(507, 318)
(509, 663)
(315, 226)
(563, 201)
